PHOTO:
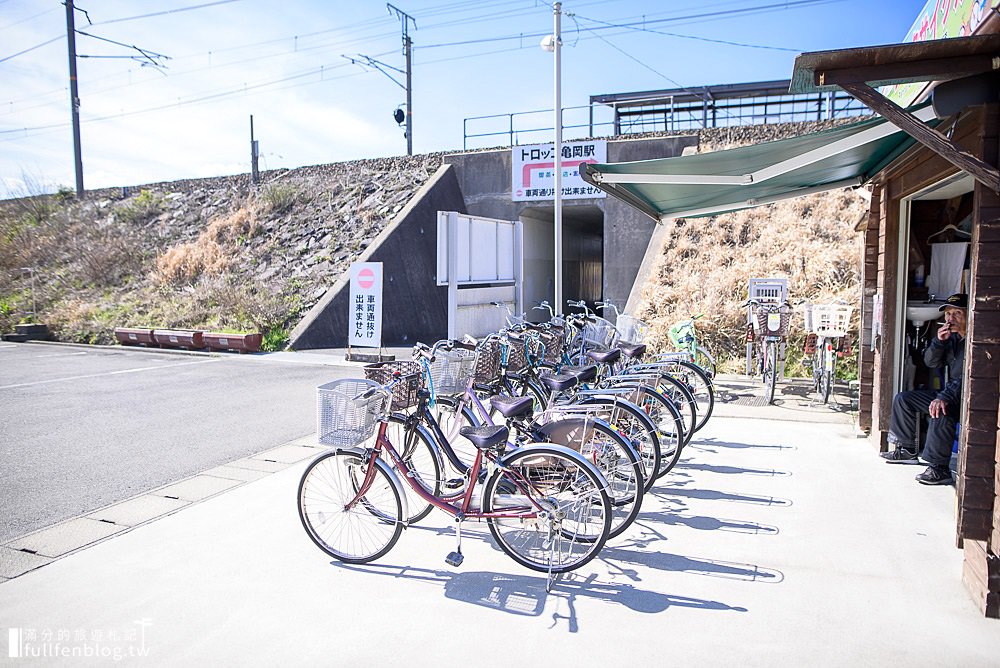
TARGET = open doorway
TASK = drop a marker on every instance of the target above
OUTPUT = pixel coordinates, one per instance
(935, 254)
(583, 256)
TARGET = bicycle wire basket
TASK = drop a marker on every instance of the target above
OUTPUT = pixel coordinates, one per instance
(450, 371)
(552, 339)
(768, 326)
(488, 355)
(829, 320)
(404, 392)
(631, 329)
(516, 353)
(343, 418)
(600, 332)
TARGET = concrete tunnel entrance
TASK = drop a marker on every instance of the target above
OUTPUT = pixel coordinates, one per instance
(583, 255)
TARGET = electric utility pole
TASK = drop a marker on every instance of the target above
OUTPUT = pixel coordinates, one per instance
(74, 97)
(407, 50)
(146, 57)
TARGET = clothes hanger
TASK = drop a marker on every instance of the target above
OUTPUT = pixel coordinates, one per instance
(950, 228)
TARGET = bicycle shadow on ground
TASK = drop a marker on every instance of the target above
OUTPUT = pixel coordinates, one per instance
(715, 495)
(838, 403)
(707, 443)
(618, 556)
(526, 595)
(728, 470)
(705, 523)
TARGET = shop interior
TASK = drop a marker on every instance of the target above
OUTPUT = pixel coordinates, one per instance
(937, 266)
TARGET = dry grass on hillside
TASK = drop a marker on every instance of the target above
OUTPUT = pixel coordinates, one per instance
(706, 263)
(212, 252)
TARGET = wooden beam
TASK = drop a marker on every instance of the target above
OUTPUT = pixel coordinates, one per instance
(932, 139)
(936, 69)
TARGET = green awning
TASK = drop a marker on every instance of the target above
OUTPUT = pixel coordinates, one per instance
(712, 183)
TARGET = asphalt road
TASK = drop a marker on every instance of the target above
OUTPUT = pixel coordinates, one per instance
(81, 428)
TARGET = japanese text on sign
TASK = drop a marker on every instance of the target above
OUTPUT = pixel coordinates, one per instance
(365, 321)
(533, 170)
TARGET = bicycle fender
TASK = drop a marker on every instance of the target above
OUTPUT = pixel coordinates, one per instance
(563, 450)
(390, 474)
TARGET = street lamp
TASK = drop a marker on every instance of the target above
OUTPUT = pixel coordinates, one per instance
(553, 44)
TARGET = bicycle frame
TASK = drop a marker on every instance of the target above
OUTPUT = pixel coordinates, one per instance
(450, 505)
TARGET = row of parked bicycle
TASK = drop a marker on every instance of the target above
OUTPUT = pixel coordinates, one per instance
(550, 433)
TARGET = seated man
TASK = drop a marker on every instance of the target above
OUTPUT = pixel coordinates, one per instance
(946, 350)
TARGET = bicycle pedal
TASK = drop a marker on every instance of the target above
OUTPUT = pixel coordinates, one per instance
(454, 559)
(454, 483)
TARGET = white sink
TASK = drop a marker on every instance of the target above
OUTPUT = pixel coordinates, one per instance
(918, 312)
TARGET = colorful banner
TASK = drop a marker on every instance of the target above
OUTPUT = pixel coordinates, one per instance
(939, 19)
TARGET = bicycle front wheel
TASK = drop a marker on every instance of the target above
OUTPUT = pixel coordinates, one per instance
(417, 450)
(548, 509)
(350, 506)
(770, 370)
(829, 366)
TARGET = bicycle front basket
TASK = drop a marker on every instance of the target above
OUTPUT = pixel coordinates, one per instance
(773, 323)
(488, 361)
(451, 370)
(342, 417)
(517, 358)
(404, 392)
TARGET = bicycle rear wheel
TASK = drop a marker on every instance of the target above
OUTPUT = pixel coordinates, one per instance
(347, 527)
(704, 359)
(551, 512)
(669, 427)
(700, 384)
(638, 429)
(614, 457)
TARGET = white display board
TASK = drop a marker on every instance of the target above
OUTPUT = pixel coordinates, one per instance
(484, 249)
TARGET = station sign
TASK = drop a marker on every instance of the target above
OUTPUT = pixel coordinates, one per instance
(533, 175)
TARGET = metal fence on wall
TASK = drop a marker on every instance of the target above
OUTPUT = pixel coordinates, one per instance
(675, 110)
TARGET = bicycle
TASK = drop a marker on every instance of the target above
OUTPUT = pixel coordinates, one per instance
(767, 331)
(545, 505)
(826, 332)
(450, 403)
(685, 338)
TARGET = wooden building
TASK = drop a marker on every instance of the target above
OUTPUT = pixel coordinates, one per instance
(942, 194)
(932, 172)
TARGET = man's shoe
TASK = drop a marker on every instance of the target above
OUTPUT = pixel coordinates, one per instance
(935, 476)
(900, 456)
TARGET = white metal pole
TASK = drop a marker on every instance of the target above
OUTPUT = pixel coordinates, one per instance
(557, 219)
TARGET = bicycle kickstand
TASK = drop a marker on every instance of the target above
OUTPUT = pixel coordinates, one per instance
(551, 580)
(456, 558)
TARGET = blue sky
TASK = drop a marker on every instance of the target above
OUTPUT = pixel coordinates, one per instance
(284, 63)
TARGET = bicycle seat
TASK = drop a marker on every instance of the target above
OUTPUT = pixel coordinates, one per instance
(581, 373)
(511, 407)
(605, 356)
(632, 350)
(486, 436)
(560, 382)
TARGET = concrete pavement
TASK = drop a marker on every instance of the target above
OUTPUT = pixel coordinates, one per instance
(780, 539)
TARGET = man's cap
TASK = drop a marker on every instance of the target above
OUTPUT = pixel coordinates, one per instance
(958, 300)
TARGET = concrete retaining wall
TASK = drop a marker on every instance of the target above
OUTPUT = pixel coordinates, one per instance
(414, 307)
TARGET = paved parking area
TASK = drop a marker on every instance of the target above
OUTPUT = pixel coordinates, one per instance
(775, 542)
(85, 427)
